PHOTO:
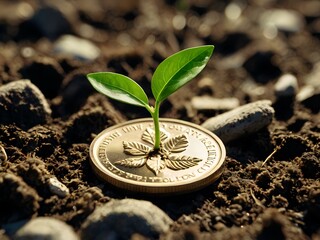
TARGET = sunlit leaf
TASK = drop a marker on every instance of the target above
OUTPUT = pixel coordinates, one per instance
(118, 87)
(178, 69)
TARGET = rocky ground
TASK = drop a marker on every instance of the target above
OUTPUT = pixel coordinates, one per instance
(49, 114)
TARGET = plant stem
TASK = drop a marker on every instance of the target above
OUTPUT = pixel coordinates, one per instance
(156, 126)
(154, 111)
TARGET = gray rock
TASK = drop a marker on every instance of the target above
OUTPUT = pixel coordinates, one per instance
(210, 103)
(243, 120)
(58, 188)
(77, 48)
(120, 219)
(286, 86)
(45, 228)
(22, 103)
(3, 155)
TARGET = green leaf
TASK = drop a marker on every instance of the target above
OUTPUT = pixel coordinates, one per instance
(179, 69)
(118, 87)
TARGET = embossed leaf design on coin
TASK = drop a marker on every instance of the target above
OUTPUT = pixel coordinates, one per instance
(156, 161)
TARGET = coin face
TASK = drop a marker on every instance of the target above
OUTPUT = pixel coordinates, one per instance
(189, 158)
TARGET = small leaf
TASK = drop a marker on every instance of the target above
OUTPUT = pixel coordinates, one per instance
(135, 148)
(178, 69)
(182, 162)
(132, 162)
(148, 135)
(118, 87)
(156, 164)
(176, 144)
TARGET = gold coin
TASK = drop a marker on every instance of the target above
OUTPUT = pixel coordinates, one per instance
(189, 159)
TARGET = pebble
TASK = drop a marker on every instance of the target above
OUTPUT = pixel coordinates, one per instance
(261, 67)
(251, 88)
(282, 20)
(309, 94)
(210, 103)
(305, 93)
(286, 86)
(45, 228)
(58, 188)
(3, 155)
(50, 22)
(241, 121)
(314, 76)
(77, 48)
(120, 219)
(22, 103)
(44, 72)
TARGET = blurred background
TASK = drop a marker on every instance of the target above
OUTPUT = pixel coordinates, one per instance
(55, 43)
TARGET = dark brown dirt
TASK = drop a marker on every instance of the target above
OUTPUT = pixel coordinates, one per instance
(278, 199)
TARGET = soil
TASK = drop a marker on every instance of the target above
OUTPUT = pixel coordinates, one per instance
(253, 199)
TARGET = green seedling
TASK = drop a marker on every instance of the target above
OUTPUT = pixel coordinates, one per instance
(171, 74)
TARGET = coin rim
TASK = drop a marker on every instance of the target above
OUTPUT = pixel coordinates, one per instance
(158, 188)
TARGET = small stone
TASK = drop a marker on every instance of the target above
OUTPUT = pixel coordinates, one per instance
(251, 88)
(219, 226)
(22, 103)
(286, 86)
(46, 73)
(49, 22)
(233, 11)
(3, 155)
(58, 188)
(283, 20)
(210, 103)
(241, 121)
(77, 48)
(179, 22)
(120, 219)
(305, 93)
(312, 79)
(309, 94)
(261, 67)
(45, 228)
